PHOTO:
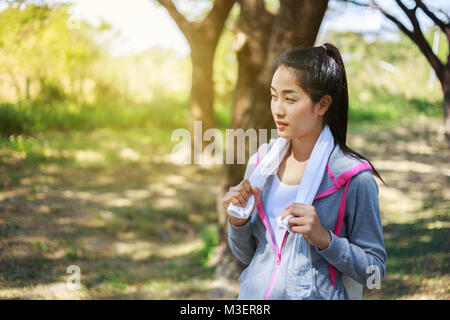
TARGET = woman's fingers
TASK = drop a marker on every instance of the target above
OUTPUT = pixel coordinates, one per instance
(240, 194)
(236, 202)
(301, 229)
(226, 200)
(295, 209)
(297, 221)
(241, 199)
(256, 193)
(246, 189)
(288, 211)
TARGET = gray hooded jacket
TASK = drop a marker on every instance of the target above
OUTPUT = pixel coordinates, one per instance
(358, 252)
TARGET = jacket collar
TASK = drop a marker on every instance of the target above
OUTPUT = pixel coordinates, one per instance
(338, 163)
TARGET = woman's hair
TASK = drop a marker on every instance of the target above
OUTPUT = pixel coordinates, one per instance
(320, 71)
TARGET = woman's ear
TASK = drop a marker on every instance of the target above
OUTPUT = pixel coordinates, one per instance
(324, 104)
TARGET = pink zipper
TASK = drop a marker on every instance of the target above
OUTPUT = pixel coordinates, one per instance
(277, 265)
(263, 217)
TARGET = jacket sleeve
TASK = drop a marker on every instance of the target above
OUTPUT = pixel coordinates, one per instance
(362, 254)
(240, 239)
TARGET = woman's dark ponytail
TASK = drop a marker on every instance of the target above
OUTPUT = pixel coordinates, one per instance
(338, 121)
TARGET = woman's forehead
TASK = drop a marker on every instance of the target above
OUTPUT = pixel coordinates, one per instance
(285, 79)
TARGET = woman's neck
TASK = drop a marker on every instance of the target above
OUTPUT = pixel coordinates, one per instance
(302, 147)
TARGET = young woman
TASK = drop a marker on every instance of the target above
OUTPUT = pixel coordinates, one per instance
(343, 224)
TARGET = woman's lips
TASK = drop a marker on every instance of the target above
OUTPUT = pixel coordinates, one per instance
(281, 125)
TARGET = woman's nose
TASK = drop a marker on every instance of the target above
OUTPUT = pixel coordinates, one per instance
(278, 110)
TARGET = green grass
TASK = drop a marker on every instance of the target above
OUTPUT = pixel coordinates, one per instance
(35, 117)
(31, 118)
(390, 107)
(25, 127)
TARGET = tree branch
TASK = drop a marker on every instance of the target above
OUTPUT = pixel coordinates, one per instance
(408, 12)
(253, 10)
(255, 5)
(416, 36)
(393, 19)
(180, 20)
(218, 14)
(444, 13)
(357, 3)
(445, 27)
(411, 13)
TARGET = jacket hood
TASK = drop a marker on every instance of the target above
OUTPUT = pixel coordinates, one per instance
(340, 162)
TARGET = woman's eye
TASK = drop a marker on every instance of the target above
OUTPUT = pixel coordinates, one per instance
(290, 100)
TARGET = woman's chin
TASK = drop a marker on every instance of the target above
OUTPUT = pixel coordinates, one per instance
(283, 134)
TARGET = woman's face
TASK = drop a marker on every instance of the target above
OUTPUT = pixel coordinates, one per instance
(292, 106)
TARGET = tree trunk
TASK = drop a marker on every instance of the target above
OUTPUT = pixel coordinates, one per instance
(252, 32)
(261, 36)
(446, 90)
(80, 95)
(202, 88)
(202, 38)
(27, 89)
(16, 85)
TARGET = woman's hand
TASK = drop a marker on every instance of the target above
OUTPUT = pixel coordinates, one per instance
(306, 221)
(239, 195)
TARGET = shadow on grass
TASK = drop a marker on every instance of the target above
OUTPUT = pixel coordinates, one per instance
(415, 252)
(419, 249)
(69, 216)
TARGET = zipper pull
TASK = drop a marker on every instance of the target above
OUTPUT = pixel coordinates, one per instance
(279, 258)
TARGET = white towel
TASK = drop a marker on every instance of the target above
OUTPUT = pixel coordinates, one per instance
(314, 172)
(312, 176)
(268, 165)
